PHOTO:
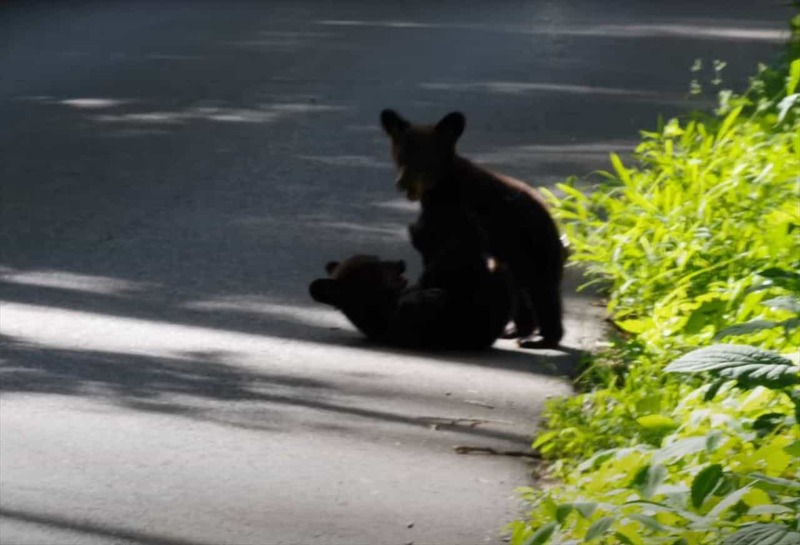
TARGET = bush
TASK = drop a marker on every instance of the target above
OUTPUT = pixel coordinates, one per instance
(680, 439)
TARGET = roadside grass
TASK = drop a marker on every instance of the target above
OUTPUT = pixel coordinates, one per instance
(686, 431)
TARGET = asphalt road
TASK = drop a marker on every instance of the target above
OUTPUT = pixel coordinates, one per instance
(174, 174)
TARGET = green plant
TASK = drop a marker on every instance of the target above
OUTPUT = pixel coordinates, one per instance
(675, 439)
(676, 240)
(728, 471)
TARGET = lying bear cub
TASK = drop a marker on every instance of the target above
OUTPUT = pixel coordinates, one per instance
(463, 299)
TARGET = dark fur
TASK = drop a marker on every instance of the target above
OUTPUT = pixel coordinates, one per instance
(456, 259)
(366, 290)
(519, 227)
(462, 300)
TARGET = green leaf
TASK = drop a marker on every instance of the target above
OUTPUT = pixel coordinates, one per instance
(766, 423)
(599, 528)
(543, 438)
(794, 77)
(622, 538)
(768, 509)
(793, 449)
(657, 422)
(563, 511)
(542, 535)
(648, 479)
(680, 448)
(790, 324)
(622, 172)
(713, 439)
(783, 278)
(632, 326)
(597, 460)
(647, 521)
(747, 327)
(650, 403)
(586, 509)
(794, 395)
(776, 481)
(713, 388)
(728, 122)
(748, 365)
(785, 302)
(703, 315)
(785, 105)
(664, 508)
(572, 192)
(705, 483)
(764, 534)
(727, 502)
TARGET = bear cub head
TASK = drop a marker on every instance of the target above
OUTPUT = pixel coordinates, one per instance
(359, 280)
(366, 289)
(423, 154)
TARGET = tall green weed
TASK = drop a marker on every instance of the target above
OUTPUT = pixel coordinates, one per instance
(676, 239)
(697, 244)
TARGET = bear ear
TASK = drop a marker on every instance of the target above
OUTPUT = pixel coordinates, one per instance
(324, 290)
(452, 125)
(331, 266)
(393, 124)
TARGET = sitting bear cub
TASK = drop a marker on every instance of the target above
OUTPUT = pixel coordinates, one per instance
(517, 223)
(463, 299)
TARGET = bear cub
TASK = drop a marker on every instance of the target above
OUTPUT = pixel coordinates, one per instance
(463, 298)
(517, 224)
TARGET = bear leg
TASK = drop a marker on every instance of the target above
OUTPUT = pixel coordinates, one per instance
(524, 321)
(547, 305)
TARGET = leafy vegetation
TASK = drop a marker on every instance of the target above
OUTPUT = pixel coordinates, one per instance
(687, 428)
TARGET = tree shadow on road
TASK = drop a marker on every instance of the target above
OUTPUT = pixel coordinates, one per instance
(207, 387)
(83, 527)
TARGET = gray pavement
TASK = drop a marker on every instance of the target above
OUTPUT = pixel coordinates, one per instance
(174, 174)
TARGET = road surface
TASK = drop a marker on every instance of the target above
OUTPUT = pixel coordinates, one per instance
(174, 174)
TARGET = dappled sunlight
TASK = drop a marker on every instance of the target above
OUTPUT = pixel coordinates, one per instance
(172, 57)
(223, 114)
(284, 40)
(197, 385)
(135, 112)
(139, 133)
(93, 103)
(125, 340)
(87, 283)
(709, 31)
(327, 222)
(389, 232)
(262, 306)
(586, 155)
(523, 87)
(147, 365)
(327, 227)
(146, 117)
(358, 161)
(122, 56)
(65, 329)
(753, 31)
(380, 24)
(401, 204)
(205, 388)
(621, 95)
(68, 329)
